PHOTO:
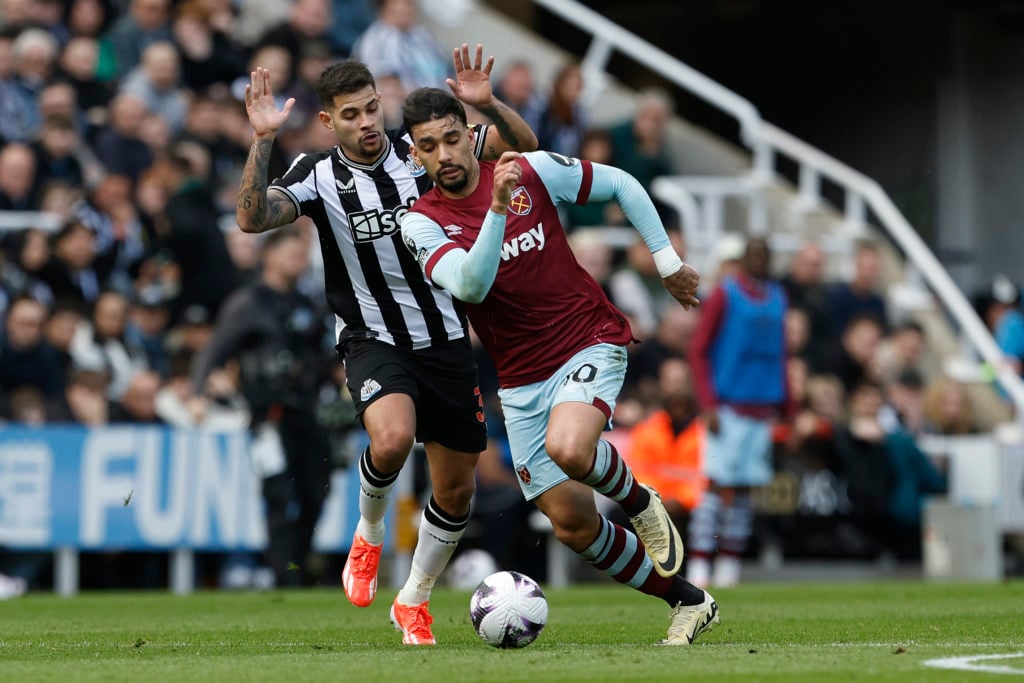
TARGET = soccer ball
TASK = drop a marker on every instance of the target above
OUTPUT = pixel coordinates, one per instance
(508, 610)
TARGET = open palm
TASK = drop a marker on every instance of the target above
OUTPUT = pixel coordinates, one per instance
(264, 116)
(472, 82)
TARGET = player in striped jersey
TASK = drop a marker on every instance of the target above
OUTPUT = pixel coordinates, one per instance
(490, 233)
(404, 343)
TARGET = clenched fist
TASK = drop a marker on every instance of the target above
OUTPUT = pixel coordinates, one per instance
(507, 173)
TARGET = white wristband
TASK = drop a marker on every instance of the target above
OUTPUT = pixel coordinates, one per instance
(667, 261)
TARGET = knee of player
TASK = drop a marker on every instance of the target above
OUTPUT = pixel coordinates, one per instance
(455, 497)
(573, 453)
(389, 447)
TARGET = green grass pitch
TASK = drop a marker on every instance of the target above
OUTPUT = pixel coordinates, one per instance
(595, 633)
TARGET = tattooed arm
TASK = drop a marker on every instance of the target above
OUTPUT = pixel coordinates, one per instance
(472, 85)
(259, 209)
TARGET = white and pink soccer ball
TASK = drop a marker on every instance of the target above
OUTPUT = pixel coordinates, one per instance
(508, 610)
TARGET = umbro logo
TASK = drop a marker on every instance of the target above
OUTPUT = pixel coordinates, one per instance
(347, 186)
(452, 230)
(370, 387)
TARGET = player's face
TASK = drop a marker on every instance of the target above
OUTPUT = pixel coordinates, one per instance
(444, 147)
(358, 122)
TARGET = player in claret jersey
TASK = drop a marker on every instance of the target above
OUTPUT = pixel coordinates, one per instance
(489, 233)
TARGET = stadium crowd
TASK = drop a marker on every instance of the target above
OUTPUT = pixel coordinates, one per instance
(124, 119)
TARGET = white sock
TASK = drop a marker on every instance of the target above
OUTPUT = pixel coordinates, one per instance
(438, 537)
(374, 491)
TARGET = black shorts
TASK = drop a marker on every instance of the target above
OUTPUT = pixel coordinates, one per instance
(442, 382)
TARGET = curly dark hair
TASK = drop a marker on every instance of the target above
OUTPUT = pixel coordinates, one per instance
(430, 104)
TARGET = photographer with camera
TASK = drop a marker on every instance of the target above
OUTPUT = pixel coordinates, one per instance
(275, 335)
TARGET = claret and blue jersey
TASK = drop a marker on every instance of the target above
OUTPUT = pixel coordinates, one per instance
(543, 307)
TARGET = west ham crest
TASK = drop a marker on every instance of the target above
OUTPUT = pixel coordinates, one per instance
(520, 204)
(524, 474)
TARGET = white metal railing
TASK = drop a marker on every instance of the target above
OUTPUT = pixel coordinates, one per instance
(767, 141)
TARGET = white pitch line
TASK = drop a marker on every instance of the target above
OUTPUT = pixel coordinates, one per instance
(968, 663)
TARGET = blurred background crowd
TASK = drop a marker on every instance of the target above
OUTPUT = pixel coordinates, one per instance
(122, 122)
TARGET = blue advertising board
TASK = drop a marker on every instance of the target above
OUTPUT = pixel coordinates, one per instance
(144, 488)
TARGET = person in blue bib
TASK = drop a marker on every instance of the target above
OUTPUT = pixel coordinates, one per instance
(738, 358)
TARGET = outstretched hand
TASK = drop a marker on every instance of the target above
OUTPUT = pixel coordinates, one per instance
(682, 285)
(264, 116)
(472, 83)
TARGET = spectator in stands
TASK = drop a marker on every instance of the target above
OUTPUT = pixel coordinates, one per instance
(805, 289)
(71, 273)
(85, 400)
(87, 18)
(27, 407)
(100, 345)
(1004, 317)
(848, 300)
(157, 82)
(58, 98)
(798, 333)
(147, 22)
(49, 15)
(902, 351)
(349, 20)
(640, 144)
(17, 178)
(854, 359)
(397, 43)
(947, 408)
(79, 65)
(118, 145)
(60, 330)
(392, 95)
(138, 403)
(225, 411)
(109, 212)
(30, 252)
(208, 56)
(516, 89)
(315, 56)
(308, 21)
(195, 241)
(904, 409)
(25, 357)
(35, 54)
(563, 121)
(738, 358)
(146, 329)
(205, 125)
(666, 448)
(672, 339)
(887, 475)
(192, 332)
(56, 152)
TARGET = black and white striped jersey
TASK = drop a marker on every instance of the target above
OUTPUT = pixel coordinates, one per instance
(373, 282)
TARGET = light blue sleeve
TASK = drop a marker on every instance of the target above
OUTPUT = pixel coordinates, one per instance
(564, 176)
(468, 275)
